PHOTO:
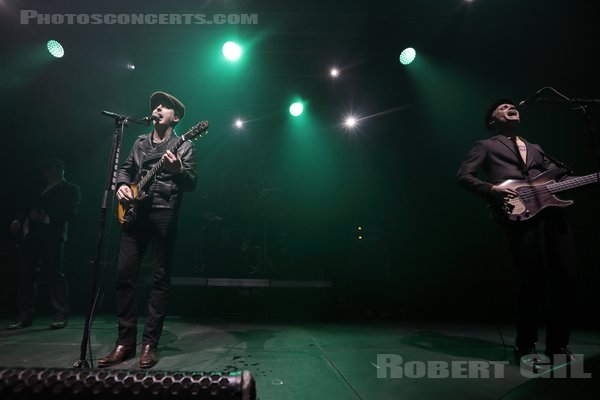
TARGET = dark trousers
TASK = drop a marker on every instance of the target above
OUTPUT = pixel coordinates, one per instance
(41, 255)
(156, 227)
(544, 255)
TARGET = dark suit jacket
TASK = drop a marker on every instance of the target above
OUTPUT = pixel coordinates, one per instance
(60, 203)
(499, 159)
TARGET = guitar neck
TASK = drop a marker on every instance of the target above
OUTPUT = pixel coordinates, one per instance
(159, 164)
(573, 183)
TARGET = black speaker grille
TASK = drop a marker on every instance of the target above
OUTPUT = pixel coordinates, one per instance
(50, 383)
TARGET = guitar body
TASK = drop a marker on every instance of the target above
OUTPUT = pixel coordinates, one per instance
(534, 196)
(127, 211)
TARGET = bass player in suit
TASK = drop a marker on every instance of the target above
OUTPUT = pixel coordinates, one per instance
(542, 246)
(155, 225)
(44, 231)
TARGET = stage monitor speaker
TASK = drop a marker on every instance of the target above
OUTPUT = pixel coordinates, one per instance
(105, 384)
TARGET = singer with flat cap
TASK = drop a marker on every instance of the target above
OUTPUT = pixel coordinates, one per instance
(155, 224)
(542, 246)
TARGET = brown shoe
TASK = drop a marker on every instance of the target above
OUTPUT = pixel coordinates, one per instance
(19, 325)
(118, 355)
(560, 355)
(59, 324)
(148, 358)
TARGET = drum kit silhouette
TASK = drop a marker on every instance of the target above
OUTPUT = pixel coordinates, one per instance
(240, 246)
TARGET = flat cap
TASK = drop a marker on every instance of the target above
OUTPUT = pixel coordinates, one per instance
(493, 106)
(167, 100)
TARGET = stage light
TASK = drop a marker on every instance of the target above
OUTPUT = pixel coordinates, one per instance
(232, 51)
(350, 122)
(407, 56)
(334, 72)
(239, 123)
(130, 67)
(55, 48)
(296, 109)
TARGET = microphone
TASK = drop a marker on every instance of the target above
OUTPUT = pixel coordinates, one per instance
(151, 118)
(534, 97)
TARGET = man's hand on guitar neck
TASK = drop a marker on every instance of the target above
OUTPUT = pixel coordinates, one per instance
(172, 163)
(501, 193)
(124, 193)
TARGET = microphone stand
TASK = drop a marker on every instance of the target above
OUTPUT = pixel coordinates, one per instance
(582, 106)
(111, 178)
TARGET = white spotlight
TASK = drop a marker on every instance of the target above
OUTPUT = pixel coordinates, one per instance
(334, 72)
(350, 122)
(239, 123)
(130, 67)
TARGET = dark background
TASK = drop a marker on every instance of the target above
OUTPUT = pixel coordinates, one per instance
(303, 186)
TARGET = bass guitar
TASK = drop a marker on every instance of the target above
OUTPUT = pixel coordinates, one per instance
(127, 210)
(538, 193)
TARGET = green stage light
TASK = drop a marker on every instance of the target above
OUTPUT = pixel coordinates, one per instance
(55, 48)
(232, 51)
(407, 56)
(296, 108)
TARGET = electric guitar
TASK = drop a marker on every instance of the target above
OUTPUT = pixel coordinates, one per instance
(538, 193)
(127, 210)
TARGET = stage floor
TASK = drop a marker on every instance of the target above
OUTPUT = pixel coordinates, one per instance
(327, 360)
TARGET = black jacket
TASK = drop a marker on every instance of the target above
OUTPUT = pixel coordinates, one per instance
(60, 203)
(165, 191)
(499, 159)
